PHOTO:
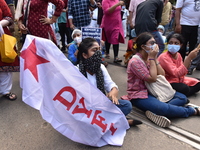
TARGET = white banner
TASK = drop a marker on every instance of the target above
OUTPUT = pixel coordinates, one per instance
(65, 98)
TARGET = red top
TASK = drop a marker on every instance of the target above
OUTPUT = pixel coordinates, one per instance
(38, 8)
(5, 14)
(175, 70)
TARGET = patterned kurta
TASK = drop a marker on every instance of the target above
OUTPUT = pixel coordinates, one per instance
(38, 8)
(5, 14)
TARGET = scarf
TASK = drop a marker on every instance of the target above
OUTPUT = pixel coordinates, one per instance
(93, 65)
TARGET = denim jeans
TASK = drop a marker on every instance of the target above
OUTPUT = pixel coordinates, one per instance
(125, 106)
(159, 41)
(172, 109)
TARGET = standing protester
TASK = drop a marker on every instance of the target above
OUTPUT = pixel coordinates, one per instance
(125, 14)
(63, 29)
(6, 69)
(10, 4)
(132, 12)
(79, 14)
(112, 31)
(148, 17)
(187, 18)
(100, 12)
(37, 23)
(166, 15)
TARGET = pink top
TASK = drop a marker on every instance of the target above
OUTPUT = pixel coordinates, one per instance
(137, 73)
(112, 23)
(175, 70)
(133, 7)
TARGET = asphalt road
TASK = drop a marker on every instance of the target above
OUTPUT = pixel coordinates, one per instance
(22, 127)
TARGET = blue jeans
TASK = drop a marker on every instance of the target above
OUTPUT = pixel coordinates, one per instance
(172, 109)
(125, 106)
(159, 41)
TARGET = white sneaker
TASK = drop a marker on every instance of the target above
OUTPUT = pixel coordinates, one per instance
(158, 120)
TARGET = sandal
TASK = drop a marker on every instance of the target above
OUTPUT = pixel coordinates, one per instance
(117, 60)
(10, 96)
(133, 122)
(107, 56)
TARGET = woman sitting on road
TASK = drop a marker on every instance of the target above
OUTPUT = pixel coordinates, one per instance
(176, 69)
(90, 65)
(144, 70)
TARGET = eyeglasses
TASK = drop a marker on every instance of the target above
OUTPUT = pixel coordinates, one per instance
(152, 42)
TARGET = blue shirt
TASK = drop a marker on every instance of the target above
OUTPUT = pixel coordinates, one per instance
(71, 50)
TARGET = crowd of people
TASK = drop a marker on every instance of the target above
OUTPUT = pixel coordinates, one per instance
(157, 46)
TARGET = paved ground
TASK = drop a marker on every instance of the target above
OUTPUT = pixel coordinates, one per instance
(22, 127)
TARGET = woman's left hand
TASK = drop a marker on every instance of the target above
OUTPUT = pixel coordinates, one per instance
(44, 20)
(112, 95)
(193, 54)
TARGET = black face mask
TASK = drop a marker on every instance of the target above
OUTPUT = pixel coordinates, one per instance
(93, 63)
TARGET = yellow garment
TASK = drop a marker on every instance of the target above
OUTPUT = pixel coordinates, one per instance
(7, 44)
(166, 14)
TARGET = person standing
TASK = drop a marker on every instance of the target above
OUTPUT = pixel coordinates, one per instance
(166, 15)
(148, 17)
(187, 18)
(196, 61)
(132, 12)
(79, 14)
(125, 14)
(112, 31)
(37, 23)
(6, 69)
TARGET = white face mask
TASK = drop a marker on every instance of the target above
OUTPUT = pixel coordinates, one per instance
(160, 33)
(123, 7)
(173, 48)
(78, 40)
(151, 47)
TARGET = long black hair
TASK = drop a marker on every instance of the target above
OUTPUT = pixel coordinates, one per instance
(84, 46)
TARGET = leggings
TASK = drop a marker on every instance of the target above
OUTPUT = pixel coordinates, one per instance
(185, 89)
(115, 48)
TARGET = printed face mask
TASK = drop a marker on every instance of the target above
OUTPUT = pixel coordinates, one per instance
(173, 48)
(78, 39)
(93, 63)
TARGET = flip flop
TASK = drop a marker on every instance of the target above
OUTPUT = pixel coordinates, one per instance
(10, 96)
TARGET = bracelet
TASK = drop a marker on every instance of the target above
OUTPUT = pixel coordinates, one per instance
(151, 59)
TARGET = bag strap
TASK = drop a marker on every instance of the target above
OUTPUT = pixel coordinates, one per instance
(26, 13)
(138, 58)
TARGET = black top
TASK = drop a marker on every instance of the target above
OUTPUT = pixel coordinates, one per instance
(148, 16)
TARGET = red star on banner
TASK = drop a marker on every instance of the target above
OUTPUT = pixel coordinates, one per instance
(31, 59)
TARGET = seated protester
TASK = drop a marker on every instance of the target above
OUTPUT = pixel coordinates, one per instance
(73, 48)
(90, 65)
(145, 68)
(175, 69)
(130, 48)
(161, 30)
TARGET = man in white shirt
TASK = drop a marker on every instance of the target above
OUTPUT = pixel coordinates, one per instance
(187, 18)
